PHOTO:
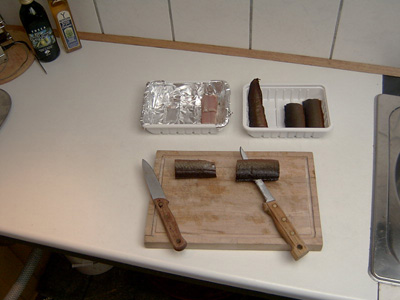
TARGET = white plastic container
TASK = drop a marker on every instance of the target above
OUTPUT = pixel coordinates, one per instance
(275, 97)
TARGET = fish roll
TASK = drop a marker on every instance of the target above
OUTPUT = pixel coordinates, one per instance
(252, 169)
(185, 168)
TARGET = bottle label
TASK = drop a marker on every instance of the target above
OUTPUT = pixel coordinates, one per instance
(42, 39)
(68, 29)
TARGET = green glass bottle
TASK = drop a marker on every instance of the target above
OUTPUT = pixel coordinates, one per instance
(37, 26)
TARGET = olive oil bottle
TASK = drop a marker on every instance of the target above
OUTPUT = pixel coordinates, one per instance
(38, 28)
(65, 24)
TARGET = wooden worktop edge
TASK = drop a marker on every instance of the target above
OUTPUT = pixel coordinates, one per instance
(240, 52)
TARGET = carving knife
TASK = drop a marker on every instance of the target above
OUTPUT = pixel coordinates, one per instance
(161, 203)
(281, 221)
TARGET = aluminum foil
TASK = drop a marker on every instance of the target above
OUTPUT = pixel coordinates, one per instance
(180, 103)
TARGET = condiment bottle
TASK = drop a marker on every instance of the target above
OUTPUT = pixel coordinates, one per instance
(65, 24)
(38, 28)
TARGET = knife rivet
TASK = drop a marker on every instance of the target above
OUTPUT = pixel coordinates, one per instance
(274, 206)
(292, 233)
(283, 219)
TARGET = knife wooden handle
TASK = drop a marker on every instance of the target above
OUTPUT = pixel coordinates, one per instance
(168, 219)
(286, 229)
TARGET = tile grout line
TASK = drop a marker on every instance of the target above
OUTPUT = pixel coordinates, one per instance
(251, 25)
(336, 28)
(98, 16)
(171, 20)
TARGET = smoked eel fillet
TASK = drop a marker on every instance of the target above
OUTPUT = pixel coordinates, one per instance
(209, 107)
(256, 108)
(252, 169)
(294, 115)
(186, 168)
(313, 113)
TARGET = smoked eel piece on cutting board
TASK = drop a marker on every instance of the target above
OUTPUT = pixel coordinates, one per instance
(252, 169)
(194, 168)
(220, 213)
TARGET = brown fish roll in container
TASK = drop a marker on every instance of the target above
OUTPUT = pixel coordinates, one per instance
(294, 115)
(256, 109)
(313, 113)
(252, 169)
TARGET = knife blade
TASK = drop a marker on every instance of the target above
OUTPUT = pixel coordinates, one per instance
(161, 204)
(281, 221)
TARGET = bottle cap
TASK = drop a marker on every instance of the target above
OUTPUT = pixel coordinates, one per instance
(25, 2)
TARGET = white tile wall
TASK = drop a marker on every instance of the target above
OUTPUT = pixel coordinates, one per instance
(369, 32)
(304, 27)
(140, 18)
(85, 16)
(216, 22)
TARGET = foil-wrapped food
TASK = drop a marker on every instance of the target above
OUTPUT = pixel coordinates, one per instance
(188, 107)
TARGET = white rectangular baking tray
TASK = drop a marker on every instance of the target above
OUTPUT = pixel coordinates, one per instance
(182, 128)
(162, 94)
(275, 97)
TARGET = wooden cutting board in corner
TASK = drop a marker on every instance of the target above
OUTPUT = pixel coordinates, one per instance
(220, 213)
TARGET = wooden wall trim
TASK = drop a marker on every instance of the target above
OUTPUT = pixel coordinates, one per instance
(240, 52)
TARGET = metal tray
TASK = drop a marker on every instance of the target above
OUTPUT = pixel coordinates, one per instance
(175, 108)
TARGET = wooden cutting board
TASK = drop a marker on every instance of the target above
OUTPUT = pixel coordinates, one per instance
(19, 58)
(220, 213)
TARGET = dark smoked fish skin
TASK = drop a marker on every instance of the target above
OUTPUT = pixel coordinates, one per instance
(294, 115)
(252, 169)
(256, 108)
(186, 168)
(313, 113)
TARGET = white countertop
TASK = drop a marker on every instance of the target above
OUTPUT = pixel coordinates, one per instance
(71, 178)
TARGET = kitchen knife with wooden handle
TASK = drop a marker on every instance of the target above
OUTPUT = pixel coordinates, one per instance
(281, 221)
(161, 204)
